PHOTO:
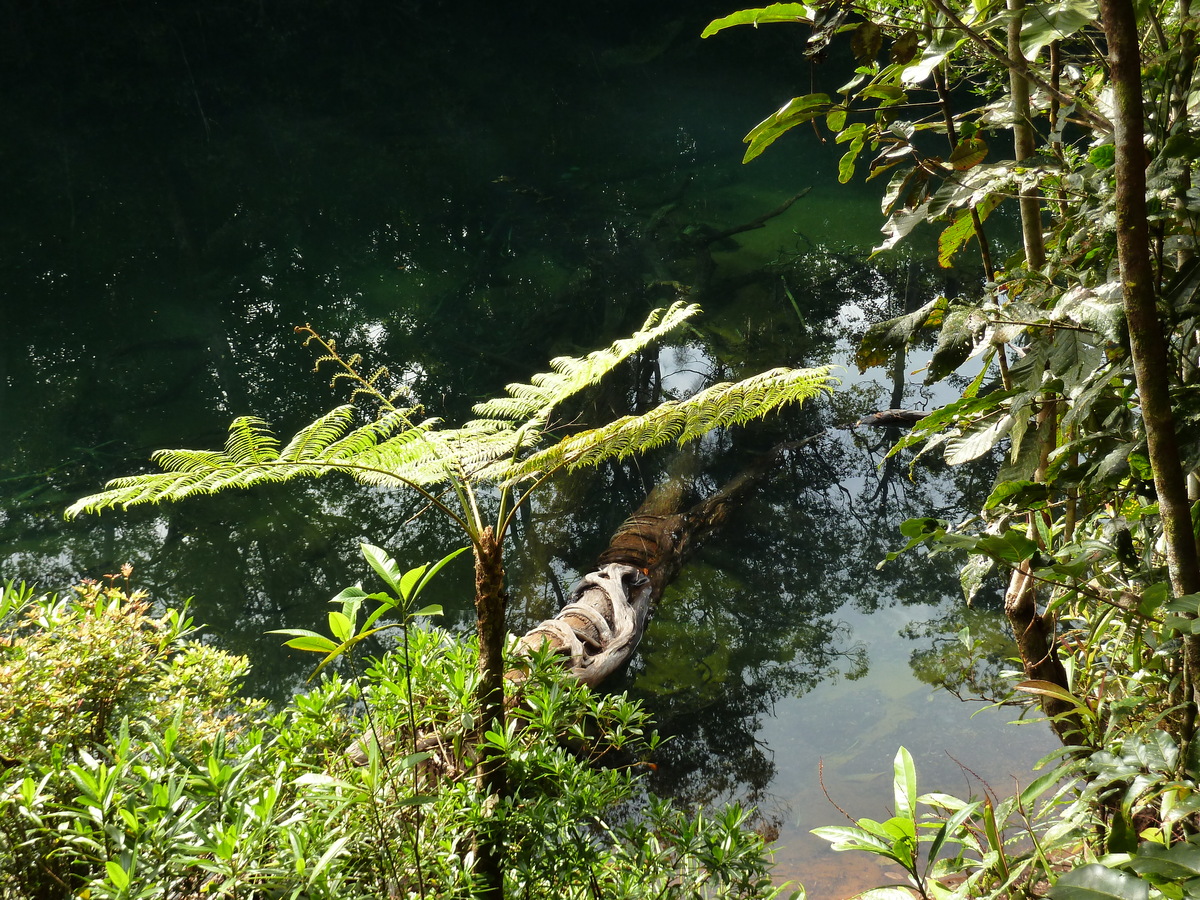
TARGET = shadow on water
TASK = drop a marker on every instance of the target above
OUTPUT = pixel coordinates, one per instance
(463, 192)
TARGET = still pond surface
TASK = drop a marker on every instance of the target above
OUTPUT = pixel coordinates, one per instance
(461, 192)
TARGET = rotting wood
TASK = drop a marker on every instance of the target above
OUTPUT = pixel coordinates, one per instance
(602, 623)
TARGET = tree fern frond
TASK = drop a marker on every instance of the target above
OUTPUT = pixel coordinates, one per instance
(315, 438)
(572, 374)
(680, 421)
(251, 440)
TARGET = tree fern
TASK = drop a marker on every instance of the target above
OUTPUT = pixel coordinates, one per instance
(534, 402)
(680, 421)
(504, 446)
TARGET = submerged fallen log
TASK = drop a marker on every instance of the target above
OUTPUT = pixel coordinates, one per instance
(599, 628)
(904, 418)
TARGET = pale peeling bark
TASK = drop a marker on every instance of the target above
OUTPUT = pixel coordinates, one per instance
(600, 626)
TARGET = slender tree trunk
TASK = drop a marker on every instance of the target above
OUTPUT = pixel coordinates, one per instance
(1024, 142)
(490, 603)
(1151, 360)
(1034, 632)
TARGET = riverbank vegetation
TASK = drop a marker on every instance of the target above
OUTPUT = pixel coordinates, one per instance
(1081, 120)
(134, 769)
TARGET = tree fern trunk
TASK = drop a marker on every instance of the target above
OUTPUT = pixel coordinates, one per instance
(490, 603)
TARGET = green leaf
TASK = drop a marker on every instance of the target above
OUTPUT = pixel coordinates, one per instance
(384, 566)
(432, 609)
(306, 640)
(776, 12)
(846, 163)
(963, 229)
(844, 837)
(904, 785)
(1097, 882)
(795, 112)
(340, 626)
(117, 875)
(1047, 22)
(409, 581)
(1049, 689)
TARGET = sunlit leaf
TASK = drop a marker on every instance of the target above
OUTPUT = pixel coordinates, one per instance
(776, 12)
(963, 229)
(308, 640)
(904, 785)
(1097, 882)
(793, 113)
(1046, 22)
(340, 626)
(846, 163)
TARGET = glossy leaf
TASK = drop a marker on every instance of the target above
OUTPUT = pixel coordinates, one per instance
(1097, 882)
(1046, 22)
(795, 112)
(384, 566)
(306, 640)
(904, 785)
(776, 12)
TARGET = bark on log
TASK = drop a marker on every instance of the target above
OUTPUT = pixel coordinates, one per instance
(602, 623)
(904, 418)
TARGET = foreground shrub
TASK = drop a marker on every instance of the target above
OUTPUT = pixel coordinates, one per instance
(133, 772)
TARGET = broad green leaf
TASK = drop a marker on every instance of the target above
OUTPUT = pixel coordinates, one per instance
(306, 640)
(963, 229)
(409, 581)
(904, 785)
(776, 12)
(977, 440)
(1049, 689)
(384, 566)
(845, 837)
(1097, 882)
(969, 153)
(1047, 22)
(793, 113)
(414, 759)
(432, 609)
(846, 163)
(340, 626)
(1176, 863)
(835, 119)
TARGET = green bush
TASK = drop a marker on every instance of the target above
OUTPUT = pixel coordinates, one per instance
(134, 771)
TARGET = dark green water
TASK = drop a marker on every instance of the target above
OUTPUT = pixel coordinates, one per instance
(463, 191)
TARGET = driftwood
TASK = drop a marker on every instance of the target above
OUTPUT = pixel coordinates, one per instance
(602, 623)
(904, 418)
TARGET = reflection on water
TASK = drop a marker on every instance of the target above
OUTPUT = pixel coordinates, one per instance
(463, 197)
